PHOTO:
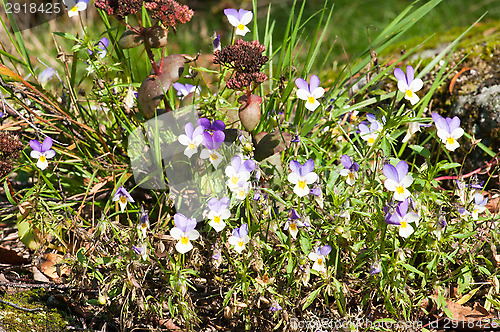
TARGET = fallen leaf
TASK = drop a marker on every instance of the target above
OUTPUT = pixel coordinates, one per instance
(9, 256)
(51, 266)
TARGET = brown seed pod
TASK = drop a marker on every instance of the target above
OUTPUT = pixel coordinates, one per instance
(156, 37)
(249, 112)
(130, 39)
(153, 88)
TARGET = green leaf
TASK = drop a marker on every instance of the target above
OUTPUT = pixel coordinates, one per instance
(312, 297)
(448, 166)
(80, 255)
(413, 269)
(424, 152)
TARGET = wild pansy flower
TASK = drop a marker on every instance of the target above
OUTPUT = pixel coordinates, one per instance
(183, 90)
(191, 139)
(448, 130)
(319, 257)
(467, 195)
(350, 171)
(211, 127)
(293, 223)
(242, 190)
(318, 195)
(122, 196)
(46, 75)
(216, 43)
(239, 19)
(42, 151)
(275, 307)
(479, 205)
(239, 238)
(309, 92)
(370, 134)
(141, 250)
(463, 212)
(219, 211)
(238, 171)
(398, 180)
(440, 226)
(102, 46)
(143, 222)
(375, 268)
(408, 84)
(413, 127)
(401, 217)
(212, 143)
(301, 176)
(75, 6)
(129, 97)
(185, 232)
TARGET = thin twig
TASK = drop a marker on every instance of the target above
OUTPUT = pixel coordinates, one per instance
(19, 307)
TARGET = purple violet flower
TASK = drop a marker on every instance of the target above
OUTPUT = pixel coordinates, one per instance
(301, 176)
(309, 91)
(191, 139)
(408, 84)
(398, 180)
(401, 217)
(319, 257)
(219, 211)
(293, 223)
(122, 196)
(42, 151)
(184, 231)
(239, 19)
(183, 90)
(350, 171)
(212, 143)
(448, 130)
(239, 238)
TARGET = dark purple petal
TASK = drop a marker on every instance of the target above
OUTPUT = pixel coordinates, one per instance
(204, 122)
(307, 168)
(325, 250)
(294, 215)
(346, 161)
(216, 42)
(402, 168)
(375, 269)
(103, 43)
(400, 75)
(370, 117)
(218, 139)
(392, 219)
(313, 83)
(47, 144)
(391, 172)
(354, 167)
(295, 166)
(402, 208)
(218, 125)
(242, 231)
(35, 145)
(208, 140)
(410, 74)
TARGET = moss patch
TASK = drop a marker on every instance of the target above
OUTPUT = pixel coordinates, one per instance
(16, 320)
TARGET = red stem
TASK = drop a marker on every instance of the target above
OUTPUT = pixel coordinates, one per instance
(488, 165)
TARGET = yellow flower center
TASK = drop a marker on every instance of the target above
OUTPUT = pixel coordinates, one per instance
(74, 9)
(241, 193)
(192, 146)
(404, 224)
(241, 244)
(184, 240)
(123, 199)
(371, 140)
(400, 189)
(450, 140)
(234, 180)
(302, 184)
(217, 220)
(241, 27)
(213, 156)
(320, 261)
(409, 93)
(311, 100)
(42, 158)
(351, 176)
(293, 227)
